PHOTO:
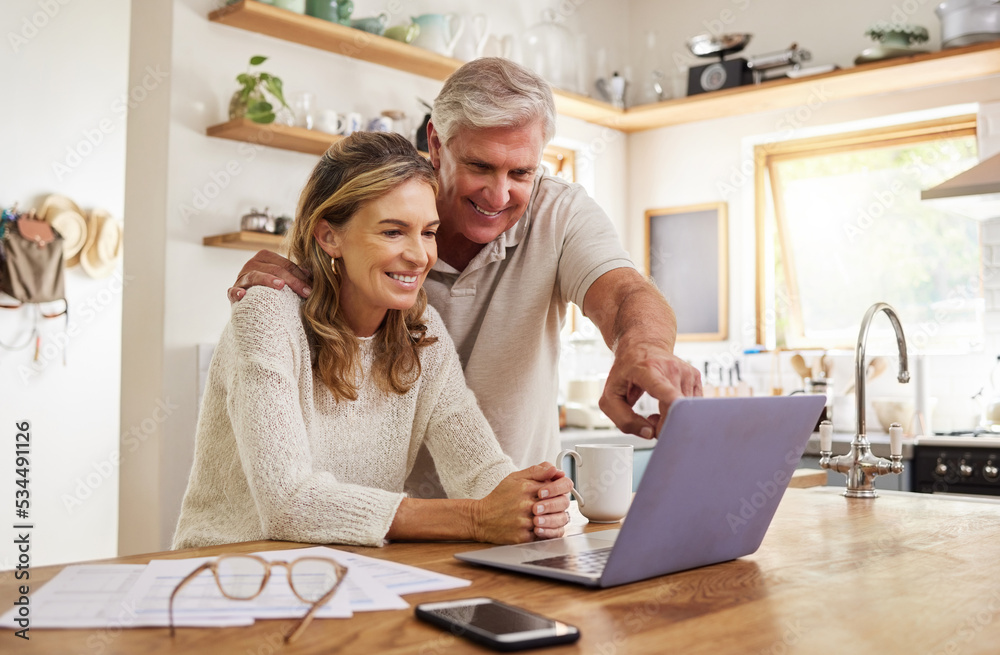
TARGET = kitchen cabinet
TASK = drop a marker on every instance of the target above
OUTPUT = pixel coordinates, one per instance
(876, 78)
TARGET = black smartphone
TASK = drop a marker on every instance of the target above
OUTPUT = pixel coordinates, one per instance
(497, 625)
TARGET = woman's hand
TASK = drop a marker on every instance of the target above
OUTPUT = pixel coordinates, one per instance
(526, 505)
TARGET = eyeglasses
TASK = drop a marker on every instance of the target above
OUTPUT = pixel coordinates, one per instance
(243, 577)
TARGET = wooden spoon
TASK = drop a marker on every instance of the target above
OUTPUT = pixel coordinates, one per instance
(875, 368)
(800, 366)
(826, 365)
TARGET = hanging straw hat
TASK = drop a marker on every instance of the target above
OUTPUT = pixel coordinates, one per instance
(104, 244)
(67, 219)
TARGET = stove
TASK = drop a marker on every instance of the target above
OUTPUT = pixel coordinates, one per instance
(958, 463)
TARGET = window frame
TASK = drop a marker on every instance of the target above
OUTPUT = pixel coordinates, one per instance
(767, 155)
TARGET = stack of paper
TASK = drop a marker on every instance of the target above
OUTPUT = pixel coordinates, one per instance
(124, 595)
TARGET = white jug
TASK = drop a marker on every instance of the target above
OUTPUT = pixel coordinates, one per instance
(474, 32)
(438, 32)
(498, 46)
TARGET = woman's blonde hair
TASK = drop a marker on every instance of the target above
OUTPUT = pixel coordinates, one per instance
(353, 172)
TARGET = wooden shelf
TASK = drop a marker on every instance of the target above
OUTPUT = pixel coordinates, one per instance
(247, 241)
(900, 74)
(298, 139)
(904, 73)
(332, 37)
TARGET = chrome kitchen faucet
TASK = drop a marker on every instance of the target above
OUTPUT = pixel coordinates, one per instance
(860, 465)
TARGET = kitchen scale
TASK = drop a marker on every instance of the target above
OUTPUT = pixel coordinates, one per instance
(723, 74)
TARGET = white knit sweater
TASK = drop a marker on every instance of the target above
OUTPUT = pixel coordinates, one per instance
(276, 457)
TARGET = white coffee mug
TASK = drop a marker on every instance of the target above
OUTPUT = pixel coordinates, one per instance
(330, 122)
(353, 122)
(603, 487)
(380, 124)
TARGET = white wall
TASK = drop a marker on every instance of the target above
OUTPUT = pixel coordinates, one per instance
(212, 182)
(64, 67)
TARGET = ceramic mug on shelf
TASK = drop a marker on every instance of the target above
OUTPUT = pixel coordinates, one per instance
(380, 124)
(603, 487)
(329, 121)
(353, 122)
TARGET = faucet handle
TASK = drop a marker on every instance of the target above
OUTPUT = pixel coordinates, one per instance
(896, 440)
(826, 437)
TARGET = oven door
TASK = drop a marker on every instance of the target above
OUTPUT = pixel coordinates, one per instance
(961, 466)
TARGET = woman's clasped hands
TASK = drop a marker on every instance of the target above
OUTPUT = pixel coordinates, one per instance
(527, 505)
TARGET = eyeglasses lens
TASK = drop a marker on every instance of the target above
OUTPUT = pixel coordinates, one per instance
(313, 578)
(240, 577)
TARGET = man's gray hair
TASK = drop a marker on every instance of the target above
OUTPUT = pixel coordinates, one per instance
(493, 92)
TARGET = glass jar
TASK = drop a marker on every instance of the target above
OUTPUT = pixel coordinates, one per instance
(549, 49)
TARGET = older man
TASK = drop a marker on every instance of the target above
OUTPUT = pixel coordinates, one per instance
(514, 246)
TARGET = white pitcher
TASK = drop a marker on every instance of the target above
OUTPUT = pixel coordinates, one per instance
(475, 29)
(438, 32)
(498, 46)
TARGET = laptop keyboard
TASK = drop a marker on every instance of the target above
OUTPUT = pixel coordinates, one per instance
(588, 563)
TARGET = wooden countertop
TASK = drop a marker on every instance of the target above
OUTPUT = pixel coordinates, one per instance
(903, 573)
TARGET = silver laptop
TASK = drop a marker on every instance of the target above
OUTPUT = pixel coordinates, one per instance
(710, 490)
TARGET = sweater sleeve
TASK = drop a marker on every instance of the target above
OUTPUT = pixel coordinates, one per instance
(468, 459)
(294, 502)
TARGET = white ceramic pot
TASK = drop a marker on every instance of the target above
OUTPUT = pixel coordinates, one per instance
(964, 22)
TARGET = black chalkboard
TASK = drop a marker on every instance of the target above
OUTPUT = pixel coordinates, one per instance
(687, 258)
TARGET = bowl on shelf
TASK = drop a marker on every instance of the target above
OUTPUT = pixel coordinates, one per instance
(894, 410)
(899, 410)
(712, 45)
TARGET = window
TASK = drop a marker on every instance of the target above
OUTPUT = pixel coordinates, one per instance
(560, 162)
(840, 226)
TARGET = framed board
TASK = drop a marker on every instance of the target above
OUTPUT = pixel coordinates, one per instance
(687, 256)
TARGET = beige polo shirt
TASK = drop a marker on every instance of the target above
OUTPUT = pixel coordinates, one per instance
(505, 311)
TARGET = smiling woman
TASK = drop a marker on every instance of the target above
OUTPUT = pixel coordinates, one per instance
(314, 410)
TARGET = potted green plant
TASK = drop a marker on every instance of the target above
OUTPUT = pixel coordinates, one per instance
(253, 99)
(897, 35)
